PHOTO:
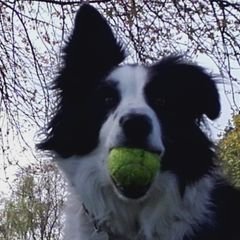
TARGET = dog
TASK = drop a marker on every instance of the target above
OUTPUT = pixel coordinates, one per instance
(161, 108)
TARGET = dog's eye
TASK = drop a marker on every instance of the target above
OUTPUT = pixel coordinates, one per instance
(159, 102)
(110, 101)
(107, 95)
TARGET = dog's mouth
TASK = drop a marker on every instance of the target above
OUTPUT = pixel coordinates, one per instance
(133, 170)
(132, 191)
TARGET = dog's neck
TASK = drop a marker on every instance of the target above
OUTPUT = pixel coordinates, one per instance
(166, 216)
(98, 226)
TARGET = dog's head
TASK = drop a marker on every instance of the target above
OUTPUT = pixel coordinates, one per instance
(102, 104)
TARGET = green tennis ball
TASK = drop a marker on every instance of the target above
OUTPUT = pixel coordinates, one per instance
(131, 167)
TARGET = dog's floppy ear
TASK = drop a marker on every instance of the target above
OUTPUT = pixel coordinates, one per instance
(91, 52)
(92, 49)
(207, 98)
(188, 87)
(201, 94)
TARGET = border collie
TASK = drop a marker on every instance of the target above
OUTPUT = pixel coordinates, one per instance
(102, 104)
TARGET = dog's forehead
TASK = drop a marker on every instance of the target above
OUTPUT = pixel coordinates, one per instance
(130, 79)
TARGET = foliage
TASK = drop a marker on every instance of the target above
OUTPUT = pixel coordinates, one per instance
(34, 208)
(230, 151)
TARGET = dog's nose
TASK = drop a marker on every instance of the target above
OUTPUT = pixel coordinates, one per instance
(136, 127)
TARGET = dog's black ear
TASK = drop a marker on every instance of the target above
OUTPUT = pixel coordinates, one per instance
(188, 87)
(91, 52)
(207, 98)
(92, 49)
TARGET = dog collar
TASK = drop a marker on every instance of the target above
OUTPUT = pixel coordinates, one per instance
(99, 228)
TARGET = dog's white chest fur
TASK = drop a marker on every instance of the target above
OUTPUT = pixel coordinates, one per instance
(99, 213)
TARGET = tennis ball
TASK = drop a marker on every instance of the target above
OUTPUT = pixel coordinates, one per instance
(132, 167)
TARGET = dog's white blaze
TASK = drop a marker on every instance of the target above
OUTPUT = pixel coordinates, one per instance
(131, 81)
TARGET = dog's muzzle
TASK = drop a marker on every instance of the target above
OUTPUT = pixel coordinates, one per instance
(136, 129)
(132, 192)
